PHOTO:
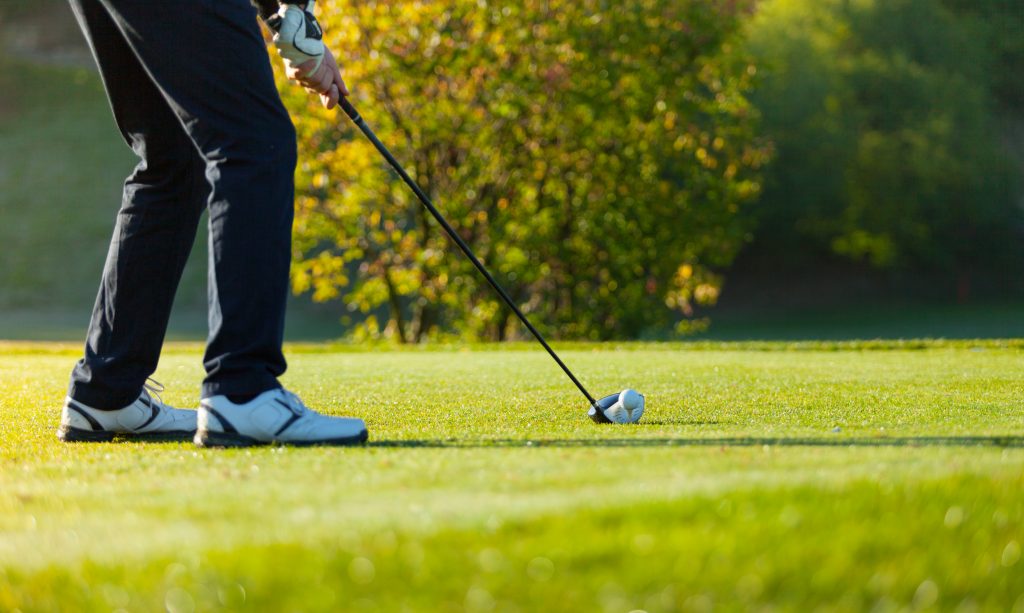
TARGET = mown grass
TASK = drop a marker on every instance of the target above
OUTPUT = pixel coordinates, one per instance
(764, 475)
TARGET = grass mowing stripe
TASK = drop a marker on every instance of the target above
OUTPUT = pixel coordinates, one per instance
(417, 489)
(936, 543)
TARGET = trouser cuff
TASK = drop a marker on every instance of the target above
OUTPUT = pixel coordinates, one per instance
(101, 400)
(239, 388)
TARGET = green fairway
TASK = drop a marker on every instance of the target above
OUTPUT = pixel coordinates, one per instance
(855, 476)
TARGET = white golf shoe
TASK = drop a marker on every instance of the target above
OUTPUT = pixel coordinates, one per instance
(148, 418)
(275, 416)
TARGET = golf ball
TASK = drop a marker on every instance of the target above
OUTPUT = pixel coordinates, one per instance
(625, 407)
(629, 399)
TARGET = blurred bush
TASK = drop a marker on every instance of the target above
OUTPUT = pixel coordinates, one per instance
(595, 155)
(888, 152)
(999, 26)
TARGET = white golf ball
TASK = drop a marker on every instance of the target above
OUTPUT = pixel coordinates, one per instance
(629, 399)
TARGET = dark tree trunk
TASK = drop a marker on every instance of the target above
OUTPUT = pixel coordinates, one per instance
(963, 286)
(422, 320)
(501, 331)
(397, 320)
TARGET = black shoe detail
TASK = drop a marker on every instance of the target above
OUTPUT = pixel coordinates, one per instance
(206, 438)
(225, 425)
(70, 434)
(291, 420)
(290, 408)
(156, 411)
(77, 408)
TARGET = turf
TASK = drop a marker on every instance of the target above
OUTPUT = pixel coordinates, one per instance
(848, 476)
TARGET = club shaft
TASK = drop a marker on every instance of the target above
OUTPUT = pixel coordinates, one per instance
(425, 201)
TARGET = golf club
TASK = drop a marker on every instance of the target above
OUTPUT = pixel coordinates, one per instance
(624, 407)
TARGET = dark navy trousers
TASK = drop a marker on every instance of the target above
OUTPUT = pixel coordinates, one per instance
(192, 92)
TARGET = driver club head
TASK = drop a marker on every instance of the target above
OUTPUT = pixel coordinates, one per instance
(625, 407)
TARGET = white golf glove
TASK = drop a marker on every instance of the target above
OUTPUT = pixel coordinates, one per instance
(298, 36)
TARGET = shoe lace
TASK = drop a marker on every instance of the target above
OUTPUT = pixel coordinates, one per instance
(152, 388)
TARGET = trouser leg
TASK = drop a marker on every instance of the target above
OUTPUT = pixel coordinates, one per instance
(154, 231)
(209, 61)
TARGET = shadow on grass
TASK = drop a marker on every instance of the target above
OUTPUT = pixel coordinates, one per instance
(685, 422)
(836, 441)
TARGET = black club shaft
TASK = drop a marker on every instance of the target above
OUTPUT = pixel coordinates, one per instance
(360, 123)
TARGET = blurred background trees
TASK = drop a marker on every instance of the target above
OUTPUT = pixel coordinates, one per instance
(887, 120)
(596, 155)
(622, 166)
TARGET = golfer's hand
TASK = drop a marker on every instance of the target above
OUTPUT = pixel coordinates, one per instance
(299, 39)
(324, 80)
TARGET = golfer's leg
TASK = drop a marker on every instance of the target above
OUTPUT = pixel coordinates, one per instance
(209, 59)
(155, 228)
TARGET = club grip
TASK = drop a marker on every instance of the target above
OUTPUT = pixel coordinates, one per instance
(350, 110)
